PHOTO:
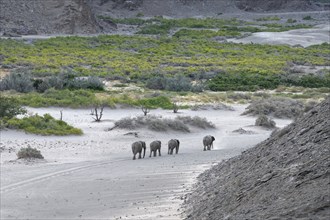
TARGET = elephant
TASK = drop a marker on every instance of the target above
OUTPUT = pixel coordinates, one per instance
(154, 146)
(173, 143)
(137, 147)
(208, 142)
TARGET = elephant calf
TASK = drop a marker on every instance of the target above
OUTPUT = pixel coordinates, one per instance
(154, 146)
(173, 144)
(208, 142)
(137, 147)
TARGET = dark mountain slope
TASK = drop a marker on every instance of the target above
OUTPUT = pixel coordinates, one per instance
(80, 16)
(285, 177)
(188, 8)
(47, 17)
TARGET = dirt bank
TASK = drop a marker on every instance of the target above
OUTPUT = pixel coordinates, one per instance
(284, 177)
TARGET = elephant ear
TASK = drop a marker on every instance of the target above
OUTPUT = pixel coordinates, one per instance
(177, 141)
(213, 138)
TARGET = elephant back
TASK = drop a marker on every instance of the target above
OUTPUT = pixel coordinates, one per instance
(173, 143)
(136, 144)
(155, 144)
(207, 140)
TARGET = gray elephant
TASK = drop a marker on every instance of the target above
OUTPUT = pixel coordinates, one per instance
(154, 146)
(173, 144)
(208, 142)
(137, 147)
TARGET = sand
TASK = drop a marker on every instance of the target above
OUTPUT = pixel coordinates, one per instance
(93, 176)
(302, 37)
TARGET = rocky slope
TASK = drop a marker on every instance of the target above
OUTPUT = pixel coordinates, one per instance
(188, 8)
(47, 17)
(21, 17)
(285, 177)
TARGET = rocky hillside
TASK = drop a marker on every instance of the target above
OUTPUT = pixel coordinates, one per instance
(23, 17)
(187, 8)
(285, 177)
(20, 17)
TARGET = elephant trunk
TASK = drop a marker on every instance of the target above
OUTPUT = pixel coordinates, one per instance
(144, 151)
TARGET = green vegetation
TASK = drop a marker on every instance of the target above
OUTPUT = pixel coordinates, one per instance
(264, 121)
(200, 34)
(275, 27)
(157, 123)
(278, 107)
(161, 26)
(23, 82)
(44, 125)
(290, 20)
(307, 18)
(29, 153)
(140, 58)
(67, 71)
(269, 18)
(52, 97)
(10, 107)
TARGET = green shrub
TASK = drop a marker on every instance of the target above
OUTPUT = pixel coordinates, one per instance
(62, 98)
(243, 81)
(276, 107)
(290, 21)
(237, 96)
(18, 81)
(196, 121)
(29, 153)
(269, 18)
(178, 83)
(44, 125)
(155, 102)
(264, 121)
(151, 122)
(157, 82)
(155, 29)
(308, 17)
(9, 107)
(156, 123)
(70, 80)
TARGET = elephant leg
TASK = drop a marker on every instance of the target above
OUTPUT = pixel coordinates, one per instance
(204, 148)
(155, 153)
(150, 153)
(209, 147)
(176, 150)
(159, 152)
(140, 155)
(134, 157)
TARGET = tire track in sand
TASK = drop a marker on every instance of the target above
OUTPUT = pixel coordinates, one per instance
(13, 186)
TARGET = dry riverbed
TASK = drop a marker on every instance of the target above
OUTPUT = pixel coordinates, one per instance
(93, 176)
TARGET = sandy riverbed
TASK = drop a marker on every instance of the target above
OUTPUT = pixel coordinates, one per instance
(94, 177)
(302, 37)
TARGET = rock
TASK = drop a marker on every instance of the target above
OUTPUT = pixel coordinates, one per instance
(11, 34)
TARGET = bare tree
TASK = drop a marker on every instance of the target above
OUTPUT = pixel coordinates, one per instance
(61, 117)
(92, 112)
(98, 114)
(145, 110)
(175, 107)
